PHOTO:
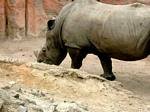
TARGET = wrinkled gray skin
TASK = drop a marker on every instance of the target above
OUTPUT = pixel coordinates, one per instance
(108, 31)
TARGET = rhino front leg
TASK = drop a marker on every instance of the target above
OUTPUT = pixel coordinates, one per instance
(77, 55)
(107, 67)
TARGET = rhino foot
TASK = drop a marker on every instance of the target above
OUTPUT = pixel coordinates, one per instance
(110, 77)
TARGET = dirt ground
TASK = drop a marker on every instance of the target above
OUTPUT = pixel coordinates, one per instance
(134, 76)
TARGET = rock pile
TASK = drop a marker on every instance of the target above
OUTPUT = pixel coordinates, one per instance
(38, 87)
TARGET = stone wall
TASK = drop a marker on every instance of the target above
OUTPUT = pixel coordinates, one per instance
(27, 18)
(21, 18)
(2, 19)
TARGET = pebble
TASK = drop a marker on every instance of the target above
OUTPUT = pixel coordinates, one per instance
(22, 109)
(12, 82)
(17, 96)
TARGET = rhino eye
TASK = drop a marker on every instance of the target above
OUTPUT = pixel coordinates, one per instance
(43, 50)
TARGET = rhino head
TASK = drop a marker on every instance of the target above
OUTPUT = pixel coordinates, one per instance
(52, 51)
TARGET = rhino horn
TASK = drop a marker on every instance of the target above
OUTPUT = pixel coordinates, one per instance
(36, 53)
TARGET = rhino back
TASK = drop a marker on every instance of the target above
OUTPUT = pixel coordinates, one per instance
(75, 28)
(125, 32)
(119, 30)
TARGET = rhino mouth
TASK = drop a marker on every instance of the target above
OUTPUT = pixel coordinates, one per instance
(36, 54)
(48, 61)
(45, 59)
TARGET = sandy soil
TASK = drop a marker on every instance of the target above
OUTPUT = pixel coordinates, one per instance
(134, 76)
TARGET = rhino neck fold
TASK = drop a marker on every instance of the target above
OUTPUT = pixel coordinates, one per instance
(59, 25)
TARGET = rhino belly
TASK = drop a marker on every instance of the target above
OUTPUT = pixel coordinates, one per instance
(123, 39)
(120, 49)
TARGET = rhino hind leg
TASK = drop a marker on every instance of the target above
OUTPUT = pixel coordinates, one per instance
(106, 63)
(77, 55)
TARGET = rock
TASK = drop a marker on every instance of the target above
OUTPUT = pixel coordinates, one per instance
(6, 87)
(69, 107)
(65, 90)
(4, 96)
(12, 82)
(16, 96)
(44, 70)
(1, 104)
(22, 109)
(148, 107)
(7, 59)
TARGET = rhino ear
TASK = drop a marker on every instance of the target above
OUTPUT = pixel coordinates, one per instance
(51, 24)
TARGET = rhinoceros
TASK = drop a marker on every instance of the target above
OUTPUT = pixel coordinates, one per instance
(108, 31)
